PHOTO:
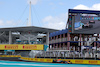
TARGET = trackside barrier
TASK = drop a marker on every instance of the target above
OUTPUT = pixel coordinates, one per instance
(74, 61)
(37, 59)
(78, 61)
(10, 55)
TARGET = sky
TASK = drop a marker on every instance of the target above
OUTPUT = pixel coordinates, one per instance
(45, 13)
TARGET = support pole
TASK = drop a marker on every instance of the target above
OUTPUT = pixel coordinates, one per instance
(60, 41)
(10, 37)
(80, 42)
(60, 45)
(57, 39)
(54, 46)
(98, 42)
(60, 38)
(47, 39)
(63, 37)
(57, 46)
(29, 23)
(68, 39)
(63, 45)
(63, 40)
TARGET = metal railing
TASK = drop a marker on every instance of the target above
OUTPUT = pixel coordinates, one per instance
(66, 54)
(58, 40)
(65, 48)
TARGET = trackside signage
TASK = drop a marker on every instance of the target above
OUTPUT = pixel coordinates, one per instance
(11, 46)
(29, 47)
(22, 47)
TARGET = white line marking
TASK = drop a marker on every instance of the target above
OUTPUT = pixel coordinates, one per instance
(27, 64)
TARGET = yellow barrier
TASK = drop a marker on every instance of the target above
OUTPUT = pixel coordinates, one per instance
(10, 55)
(37, 59)
(74, 61)
(22, 47)
(80, 61)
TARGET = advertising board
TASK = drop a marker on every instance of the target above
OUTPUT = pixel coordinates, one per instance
(22, 47)
(74, 61)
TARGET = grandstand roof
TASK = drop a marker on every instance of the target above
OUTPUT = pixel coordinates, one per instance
(28, 28)
(84, 11)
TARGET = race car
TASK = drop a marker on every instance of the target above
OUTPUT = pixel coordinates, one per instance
(87, 26)
(61, 61)
(92, 21)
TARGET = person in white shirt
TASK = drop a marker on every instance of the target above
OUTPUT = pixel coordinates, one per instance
(85, 39)
(75, 38)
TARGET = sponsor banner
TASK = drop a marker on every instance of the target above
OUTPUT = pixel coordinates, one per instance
(94, 62)
(75, 61)
(10, 56)
(22, 47)
(37, 59)
(79, 61)
(72, 60)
